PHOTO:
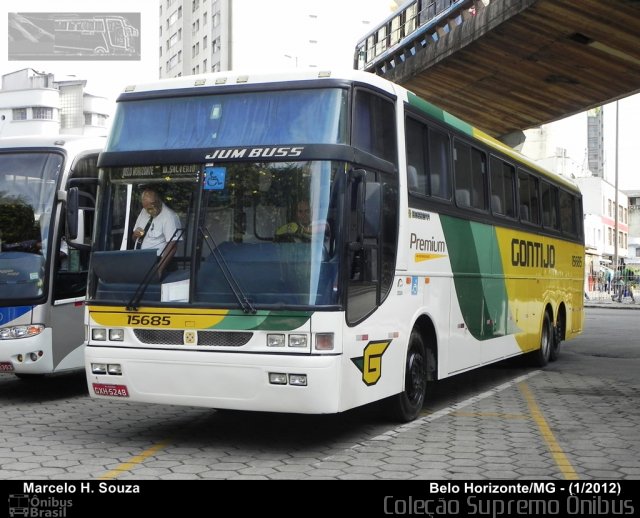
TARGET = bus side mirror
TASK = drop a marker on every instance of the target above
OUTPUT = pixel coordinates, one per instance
(72, 213)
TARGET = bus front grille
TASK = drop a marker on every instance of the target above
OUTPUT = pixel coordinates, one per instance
(223, 339)
(206, 338)
(159, 336)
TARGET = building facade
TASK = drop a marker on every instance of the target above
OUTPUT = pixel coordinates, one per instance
(34, 103)
(200, 36)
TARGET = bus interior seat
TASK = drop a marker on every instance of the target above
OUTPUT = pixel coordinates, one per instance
(434, 179)
(524, 212)
(412, 178)
(496, 204)
(463, 197)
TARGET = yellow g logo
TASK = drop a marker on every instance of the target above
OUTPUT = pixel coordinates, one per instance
(371, 363)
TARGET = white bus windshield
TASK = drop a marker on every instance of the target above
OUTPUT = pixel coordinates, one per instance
(27, 186)
(312, 116)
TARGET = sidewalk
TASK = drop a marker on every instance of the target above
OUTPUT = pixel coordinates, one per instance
(598, 299)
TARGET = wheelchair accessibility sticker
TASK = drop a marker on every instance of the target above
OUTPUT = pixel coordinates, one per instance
(214, 178)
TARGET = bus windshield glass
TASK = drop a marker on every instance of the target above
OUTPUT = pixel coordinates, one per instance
(27, 186)
(247, 235)
(312, 116)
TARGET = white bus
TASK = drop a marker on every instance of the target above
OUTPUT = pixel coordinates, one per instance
(42, 277)
(95, 34)
(430, 248)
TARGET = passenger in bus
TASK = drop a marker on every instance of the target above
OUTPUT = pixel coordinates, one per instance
(156, 227)
(298, 230)
(303, 229)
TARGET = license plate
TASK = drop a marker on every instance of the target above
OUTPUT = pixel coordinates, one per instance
(105, 389)
(6, 367)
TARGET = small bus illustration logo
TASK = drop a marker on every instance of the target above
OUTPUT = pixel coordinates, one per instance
(18, 505)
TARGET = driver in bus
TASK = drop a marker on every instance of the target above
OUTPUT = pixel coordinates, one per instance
(156, 227)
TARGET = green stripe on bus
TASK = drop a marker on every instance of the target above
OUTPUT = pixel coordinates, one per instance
(478, 277)
(263, 321)
(439, 114)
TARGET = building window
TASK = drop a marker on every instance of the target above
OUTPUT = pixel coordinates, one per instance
(625, 216)
(87, 119)
(19, 114)
(204, 43)
(610, 212)
(204, 18)
(194, 5)
(204, 66)
(216, 19)
(43, 113)
(610, 236)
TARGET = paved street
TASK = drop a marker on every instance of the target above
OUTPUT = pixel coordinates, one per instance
(578, 418)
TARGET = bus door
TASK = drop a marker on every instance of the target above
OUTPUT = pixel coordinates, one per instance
(71, 265)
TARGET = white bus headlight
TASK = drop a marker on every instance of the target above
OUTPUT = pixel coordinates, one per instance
(297, 340)
(8, 333)
(99, 334)
(274, 340)
(116, 335)
(99, 368)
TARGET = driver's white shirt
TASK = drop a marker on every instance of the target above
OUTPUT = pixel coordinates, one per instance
(161, 230)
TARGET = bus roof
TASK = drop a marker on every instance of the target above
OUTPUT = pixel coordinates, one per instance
(72, 143)
(229, 78)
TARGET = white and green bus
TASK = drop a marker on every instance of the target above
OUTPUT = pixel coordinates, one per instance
(431, 249)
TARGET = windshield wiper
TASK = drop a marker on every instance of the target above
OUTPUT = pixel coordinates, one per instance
(132, 305)
(242, 299)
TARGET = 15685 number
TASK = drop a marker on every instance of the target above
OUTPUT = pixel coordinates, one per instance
(148, 320)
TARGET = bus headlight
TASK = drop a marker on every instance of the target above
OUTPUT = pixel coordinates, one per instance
(99, 334)
(98, 368)
(9, 333)
(275, 340)
(297, 340)
(116, 335)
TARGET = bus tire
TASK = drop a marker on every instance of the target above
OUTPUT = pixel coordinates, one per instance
(554, 353)
(541, 356)
(406, 406)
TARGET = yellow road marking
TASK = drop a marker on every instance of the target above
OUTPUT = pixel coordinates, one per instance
(556, 451)
(133, 462)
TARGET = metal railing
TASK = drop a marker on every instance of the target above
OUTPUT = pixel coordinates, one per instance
(413, 26)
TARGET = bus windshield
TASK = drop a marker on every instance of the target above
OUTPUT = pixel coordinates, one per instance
(27, 185)
(247, 234)
(262, 118)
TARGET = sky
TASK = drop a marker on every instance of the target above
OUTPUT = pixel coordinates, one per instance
(322, 39)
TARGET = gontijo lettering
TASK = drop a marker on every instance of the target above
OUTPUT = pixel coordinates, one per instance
(532, 254)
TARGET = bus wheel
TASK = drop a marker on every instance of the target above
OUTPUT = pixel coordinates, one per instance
(554, 353)
(407, 405)
(541, 356)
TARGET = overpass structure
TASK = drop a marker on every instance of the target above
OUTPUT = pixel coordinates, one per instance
(508, 65)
